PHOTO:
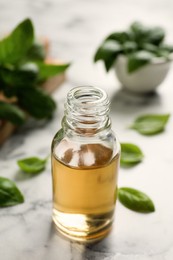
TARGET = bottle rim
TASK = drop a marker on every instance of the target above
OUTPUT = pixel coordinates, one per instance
(87, 95)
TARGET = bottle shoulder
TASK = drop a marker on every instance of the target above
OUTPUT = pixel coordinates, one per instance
(85, 152)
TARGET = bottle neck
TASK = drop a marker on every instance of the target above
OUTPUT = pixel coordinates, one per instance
(86, 110)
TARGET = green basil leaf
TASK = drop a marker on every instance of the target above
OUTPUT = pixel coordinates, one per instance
(9, 91)
(150, 124)
(11, 113)
(131, 154)
(19, 77)
(120, 37)
(135, 200)
(32, 164)
(143, 34)
(149, 47)
(156, 35)
(108, 52)
(138, 28)
(2, 85)
(36, 102)
(129, 47)
(139, 32)
(10, 195)
(166, 47)
(49, 70)
(138, 60)
(163, 53)
(37, 52)
(30, 70)
(17, 44)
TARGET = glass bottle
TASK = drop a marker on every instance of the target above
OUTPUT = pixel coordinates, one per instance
(85, 163)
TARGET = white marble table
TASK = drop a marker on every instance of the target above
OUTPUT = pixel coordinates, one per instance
(75, 28)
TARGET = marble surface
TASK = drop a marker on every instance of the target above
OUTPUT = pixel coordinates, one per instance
(75, 28)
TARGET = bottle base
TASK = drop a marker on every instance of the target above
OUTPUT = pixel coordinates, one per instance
(83, 227)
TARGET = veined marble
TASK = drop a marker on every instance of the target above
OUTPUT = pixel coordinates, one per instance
(75, 28)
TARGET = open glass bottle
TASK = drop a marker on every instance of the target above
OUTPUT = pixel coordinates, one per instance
(85, 163)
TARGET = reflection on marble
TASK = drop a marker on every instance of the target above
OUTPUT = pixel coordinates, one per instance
(75, 28)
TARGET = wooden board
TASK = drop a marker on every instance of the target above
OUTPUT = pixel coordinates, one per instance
(7, 129)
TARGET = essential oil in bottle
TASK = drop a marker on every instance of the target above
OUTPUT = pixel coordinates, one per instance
(85, 163)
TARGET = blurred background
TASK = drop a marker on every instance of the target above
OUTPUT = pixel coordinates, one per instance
(76, 27)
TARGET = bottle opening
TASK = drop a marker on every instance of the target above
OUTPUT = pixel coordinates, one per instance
(88, 95)
(87, 107)
(88, 98)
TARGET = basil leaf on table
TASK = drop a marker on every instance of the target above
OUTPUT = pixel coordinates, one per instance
(150, 124)
(138, 60)
(108, 52)
(36, 102)
(135, 200)
(11, 113)
(10, 195)
(32, 164)
(131, 154)
(17, 44)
